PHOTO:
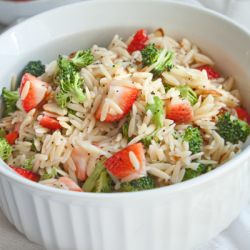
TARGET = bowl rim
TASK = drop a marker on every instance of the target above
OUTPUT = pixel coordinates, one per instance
(178, 187)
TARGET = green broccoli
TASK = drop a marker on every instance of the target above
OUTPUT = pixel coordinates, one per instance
(191, 173)
(194, 139)
(162, 59)
(2, 133)
(187, 93)
(157, 110)
(51, 175)
(146, 141)
(35, 68)
(164, 62)
(70, 83)
(10, 99)
(5, 149)
(103, 183)
(232, 129)
(150, 54)
(167, 87)
(28, 164)
(99, 180)
(143, 183)
(124, 131)
(82, 58)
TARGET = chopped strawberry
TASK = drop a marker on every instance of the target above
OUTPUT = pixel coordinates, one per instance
(211, 73)
(120, 164)
(242, 114)
(180, 112)
(50, 123)
(138, 41)
(124, 97)
(36, 91)
(11, 137)
(70, 184)
(28, 174)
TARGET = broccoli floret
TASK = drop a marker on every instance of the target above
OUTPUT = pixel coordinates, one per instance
(162, 59)
(2, 133)
(82, 58)
(125, 130)
(147, 140)
(150, 55)
(103, 183)
(187, 93)
(143, 183)
(164, 62)
(232, 129)
(157, 110)
(99, 180)
(191, 173)
(35, 68)
(70, 83)
(194, 139)
(5, 149)
(167, 87)
(28, 164)
(9, 98)
(51, 175)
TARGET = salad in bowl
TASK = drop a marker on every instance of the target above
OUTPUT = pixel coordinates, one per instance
(145, 112)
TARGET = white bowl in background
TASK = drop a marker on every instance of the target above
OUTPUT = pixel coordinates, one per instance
(11, 11)
(177, 217)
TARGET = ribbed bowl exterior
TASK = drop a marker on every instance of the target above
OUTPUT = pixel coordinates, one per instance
(174, 221)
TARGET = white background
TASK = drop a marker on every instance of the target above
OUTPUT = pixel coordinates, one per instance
(237, 236)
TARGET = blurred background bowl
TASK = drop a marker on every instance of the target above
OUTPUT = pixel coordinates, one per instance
(12, 11)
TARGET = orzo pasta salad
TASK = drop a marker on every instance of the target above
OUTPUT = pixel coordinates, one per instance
(143, 113)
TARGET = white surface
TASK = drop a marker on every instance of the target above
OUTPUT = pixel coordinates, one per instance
(236, 237)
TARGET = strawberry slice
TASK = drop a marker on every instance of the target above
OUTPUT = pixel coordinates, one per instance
(124, 97)
(50, 123)
(11, 137)
(26, 173)
(120, 164)
(243, 114)
(180, 112)
(138, 42)
(211, 73)
(35, 91)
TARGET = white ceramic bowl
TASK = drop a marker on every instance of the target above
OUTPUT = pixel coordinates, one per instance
(177, 217)
(11, 11)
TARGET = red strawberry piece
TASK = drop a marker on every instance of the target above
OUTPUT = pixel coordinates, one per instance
(11, 137)
(26, 173)
(180, 112)
(124, 97)
(138, 42)
(120, 164)
(211, 73)
(243, 114)
(50, 123)
(35, 91)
